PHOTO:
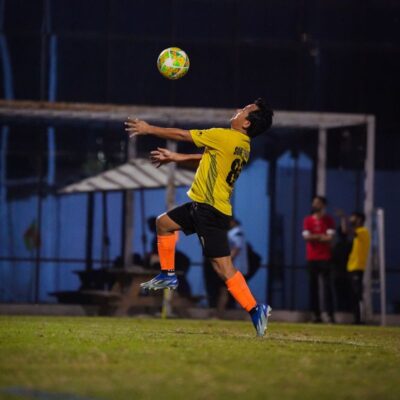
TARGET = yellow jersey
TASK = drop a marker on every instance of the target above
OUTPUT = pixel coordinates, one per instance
(359, 252)
(226, 152)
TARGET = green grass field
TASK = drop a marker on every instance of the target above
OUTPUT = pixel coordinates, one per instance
(111, 358)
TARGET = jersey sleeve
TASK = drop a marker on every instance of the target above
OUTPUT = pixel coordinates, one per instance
(212, 138)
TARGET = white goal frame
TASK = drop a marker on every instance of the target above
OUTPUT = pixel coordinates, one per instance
(322, 122)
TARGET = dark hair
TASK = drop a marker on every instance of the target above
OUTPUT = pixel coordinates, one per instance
(260, 120)
(360, 215)
(322, 199)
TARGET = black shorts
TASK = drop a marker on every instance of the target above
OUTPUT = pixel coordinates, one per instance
(210, 225)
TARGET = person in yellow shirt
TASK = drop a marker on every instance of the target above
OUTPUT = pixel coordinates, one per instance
(208, 214)
(357, 262)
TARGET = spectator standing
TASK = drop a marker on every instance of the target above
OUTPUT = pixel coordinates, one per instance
(358, 261)
(318, 232)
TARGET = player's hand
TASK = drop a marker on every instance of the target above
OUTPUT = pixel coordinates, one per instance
(135, 127)
(161, 156)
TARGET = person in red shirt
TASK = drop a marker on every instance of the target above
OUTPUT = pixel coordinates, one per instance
(318, 232)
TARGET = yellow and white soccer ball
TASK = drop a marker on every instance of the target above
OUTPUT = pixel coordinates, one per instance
(173, 63)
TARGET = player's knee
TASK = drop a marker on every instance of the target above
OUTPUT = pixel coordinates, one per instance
(161, 225)
(223, 267)
(164, 225)
(220, 272)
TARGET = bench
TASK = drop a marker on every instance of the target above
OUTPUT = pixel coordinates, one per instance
(117, 291)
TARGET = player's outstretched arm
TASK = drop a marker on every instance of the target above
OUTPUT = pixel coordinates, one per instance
(164, 156)
(137, 127)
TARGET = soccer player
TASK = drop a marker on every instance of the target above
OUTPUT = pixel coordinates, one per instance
(209, 213)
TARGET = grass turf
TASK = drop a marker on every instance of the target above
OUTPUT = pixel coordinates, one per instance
(110, 358)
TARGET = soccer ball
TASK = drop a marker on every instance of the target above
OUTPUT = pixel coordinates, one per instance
(173, 63)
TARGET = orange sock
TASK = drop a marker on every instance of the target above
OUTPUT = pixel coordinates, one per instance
(238, 288)
(166, 251)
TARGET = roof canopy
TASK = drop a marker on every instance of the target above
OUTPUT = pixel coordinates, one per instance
(139, 173)
(67, 113)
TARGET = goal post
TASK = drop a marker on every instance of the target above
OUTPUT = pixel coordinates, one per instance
(324, 123)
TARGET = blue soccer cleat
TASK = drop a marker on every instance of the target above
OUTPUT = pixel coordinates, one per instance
(260, 318)
(161, 281)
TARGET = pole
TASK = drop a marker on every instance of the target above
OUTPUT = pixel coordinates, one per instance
(321, 161)
(105, 243)
(294, 230)
(368, 208)
(39, 219)
(89, 231)
(382, 262)
(43, 84)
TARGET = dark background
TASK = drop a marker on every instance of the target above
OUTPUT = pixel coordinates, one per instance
(341, 55)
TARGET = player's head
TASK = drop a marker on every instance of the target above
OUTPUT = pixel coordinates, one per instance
(357, 218)
(319, 203)
(253, 119)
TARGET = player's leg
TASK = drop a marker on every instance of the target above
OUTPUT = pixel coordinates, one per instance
(223, 270)
(212, 227)
(234, 281)
(168, 224)
(166, 241)
(238, 288)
